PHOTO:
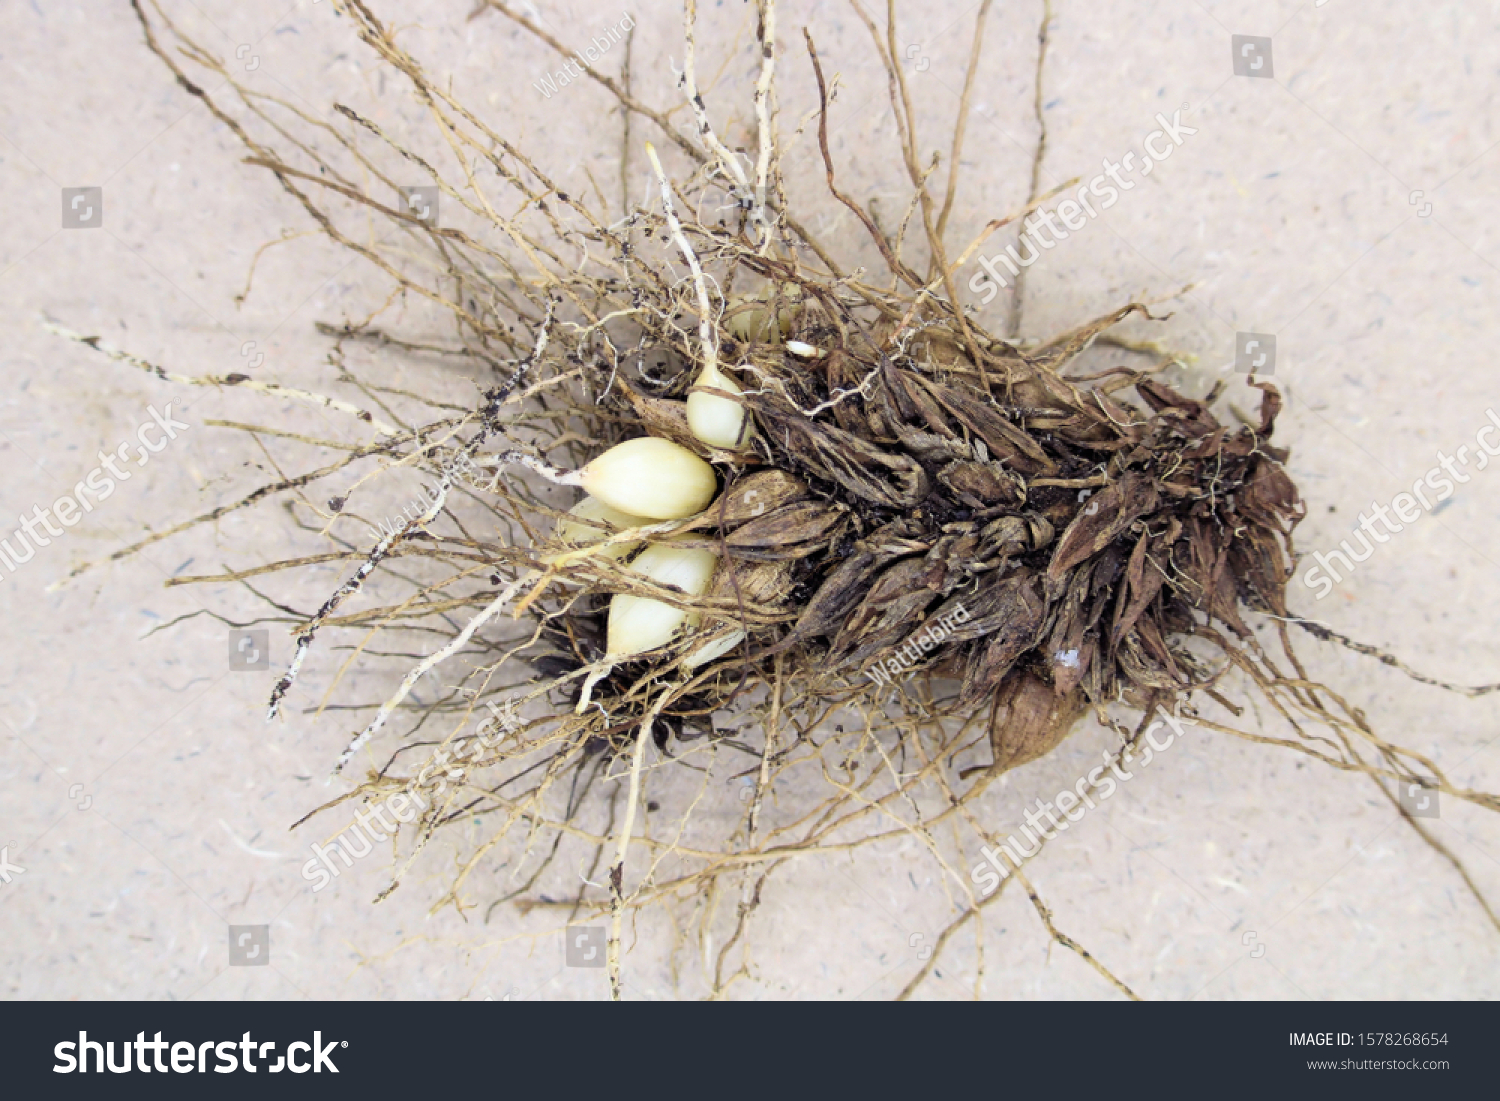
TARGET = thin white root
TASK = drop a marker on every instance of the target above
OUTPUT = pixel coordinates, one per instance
(535, 465)
(688, 81)
(586, 693)
(418, 671)
(706, 333)
(241, 381)
(349, 588)
(763, 122)
(617, 870)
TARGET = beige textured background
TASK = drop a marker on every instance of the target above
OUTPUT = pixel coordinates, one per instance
(1292, 210)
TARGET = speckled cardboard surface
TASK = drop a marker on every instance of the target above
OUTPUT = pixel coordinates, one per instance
(1343, 202)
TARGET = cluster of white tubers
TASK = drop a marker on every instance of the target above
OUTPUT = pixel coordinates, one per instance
(633, 484)
(651, 479)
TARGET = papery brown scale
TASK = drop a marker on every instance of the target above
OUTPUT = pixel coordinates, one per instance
(980, 485)
(846, 373)
(932, 448)
(997, 602)
(1256, 559)
(1104, 518)
(883, 478)
(764, 583)
(959, 557)
(1270, 406)
(1209, 568)
(1270, 499)
(1148, 631)
(1013, 624)
(1068, 651)
(1014, 535)
(1189, 411)
(889, 612)
(909, 402)
(840, 592)
(793, 531)
(1196, 557)
(1029, 720)
(1005, 441)
(1142, 669)
(1083, 429)
(1062, 349)
(1108, 568)
(1226, 602)
(1208, 445)
(1241, 445)
(899, 537)
(666, 419)
(1143, 580)
(756, 495)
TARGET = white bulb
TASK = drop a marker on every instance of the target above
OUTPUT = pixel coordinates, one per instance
(716, 649)
(748, 316)
(651, 477)
(718, 422)
(748, 320)
(575, 534)
(638, 623)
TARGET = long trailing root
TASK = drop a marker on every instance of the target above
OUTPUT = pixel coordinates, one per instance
(577, 330)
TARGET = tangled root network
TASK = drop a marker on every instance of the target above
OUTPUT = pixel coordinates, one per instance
(938, 550)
